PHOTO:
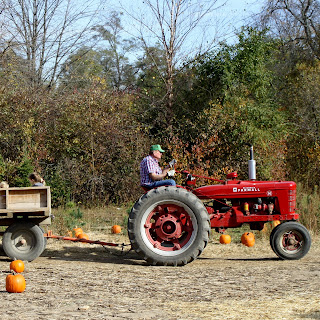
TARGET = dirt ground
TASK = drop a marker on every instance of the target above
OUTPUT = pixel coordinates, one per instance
(81, 281)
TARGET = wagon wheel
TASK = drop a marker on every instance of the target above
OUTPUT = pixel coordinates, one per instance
(168, 226)
(23, 241)
(290, 240)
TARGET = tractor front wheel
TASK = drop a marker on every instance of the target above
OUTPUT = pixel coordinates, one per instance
(290, 240)
(169, 226)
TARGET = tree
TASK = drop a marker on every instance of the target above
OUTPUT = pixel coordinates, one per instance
(82, 69)
(296, 21)
(115, 58)
(150, 86)
(170, 23)
(151, 66)
(44, 33)
(230, 102)
(300, 96)
(10, 69)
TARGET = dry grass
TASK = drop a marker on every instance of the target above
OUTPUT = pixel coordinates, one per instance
(308, 204)
(96, 219)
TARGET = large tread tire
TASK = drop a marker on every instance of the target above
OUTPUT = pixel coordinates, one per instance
(290, 240)
(272, 237)
(24, 241)
(165, 212)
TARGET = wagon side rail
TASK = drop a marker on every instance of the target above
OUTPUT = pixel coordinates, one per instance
(32, 203)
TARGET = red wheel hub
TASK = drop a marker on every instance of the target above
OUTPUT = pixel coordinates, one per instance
(168, 227)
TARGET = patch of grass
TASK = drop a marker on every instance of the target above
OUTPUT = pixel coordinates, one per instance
(93, 219)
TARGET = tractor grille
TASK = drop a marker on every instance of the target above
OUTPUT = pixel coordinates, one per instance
(292, 200)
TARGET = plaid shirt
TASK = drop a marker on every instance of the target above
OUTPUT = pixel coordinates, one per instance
(148, 165)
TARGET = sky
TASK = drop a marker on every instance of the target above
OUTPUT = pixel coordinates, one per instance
(233, 13)
(235, 9)
(220, 27)
(242, 8)
(240, 11)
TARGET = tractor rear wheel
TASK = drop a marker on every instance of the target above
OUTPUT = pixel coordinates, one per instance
(169, 226)
(290, 240)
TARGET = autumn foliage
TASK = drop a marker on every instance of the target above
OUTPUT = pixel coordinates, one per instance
(86, 144)
(87, 140)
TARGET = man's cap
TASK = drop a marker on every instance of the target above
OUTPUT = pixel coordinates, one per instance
(156, 147)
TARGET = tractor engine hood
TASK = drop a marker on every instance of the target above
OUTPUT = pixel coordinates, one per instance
(245, 189)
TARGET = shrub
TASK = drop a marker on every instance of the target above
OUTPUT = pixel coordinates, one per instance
(308, 204)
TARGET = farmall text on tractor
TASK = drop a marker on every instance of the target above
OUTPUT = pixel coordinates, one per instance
(171, 225)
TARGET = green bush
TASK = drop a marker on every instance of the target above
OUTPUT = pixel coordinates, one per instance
(22, 173)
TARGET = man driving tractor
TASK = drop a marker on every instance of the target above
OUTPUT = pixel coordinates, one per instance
(151, 174)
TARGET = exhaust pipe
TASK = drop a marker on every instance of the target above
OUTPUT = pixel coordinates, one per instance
(252, 166)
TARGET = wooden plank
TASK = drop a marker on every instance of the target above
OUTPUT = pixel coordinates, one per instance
(33, 203)
(19, 200)
(25, 199)
(3, 198)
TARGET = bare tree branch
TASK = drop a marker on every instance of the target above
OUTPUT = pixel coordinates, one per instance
(45, 32)
(170, 23)
(295, 21)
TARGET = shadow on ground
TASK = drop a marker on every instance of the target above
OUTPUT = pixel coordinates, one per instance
(98, 254)
(94, 254)
(113, 255)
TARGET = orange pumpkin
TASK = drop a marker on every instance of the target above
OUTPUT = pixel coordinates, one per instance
(116, 229)
(275, 223)
(77, 231)
(248, 239)
(17, 266)
(83, 236)
(225, 239)
(15, 283)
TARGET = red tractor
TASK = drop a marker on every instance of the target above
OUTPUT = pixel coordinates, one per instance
(171, 225)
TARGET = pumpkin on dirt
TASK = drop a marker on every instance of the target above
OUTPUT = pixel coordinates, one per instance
(225, 239)
(15, 283)
(275, 223)
(116, 229)
(248, 239)
(83, 236)
(17, 266)
(77, 231)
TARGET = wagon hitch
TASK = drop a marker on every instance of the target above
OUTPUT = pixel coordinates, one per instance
(49, 234)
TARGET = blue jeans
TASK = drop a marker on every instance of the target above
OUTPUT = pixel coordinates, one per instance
(155, 184)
